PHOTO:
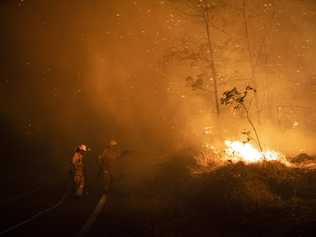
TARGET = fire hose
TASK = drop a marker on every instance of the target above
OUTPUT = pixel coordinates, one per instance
(93, 216)
(19, 196)
(37, 215)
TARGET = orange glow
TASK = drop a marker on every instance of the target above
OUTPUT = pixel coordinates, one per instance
(238, 151)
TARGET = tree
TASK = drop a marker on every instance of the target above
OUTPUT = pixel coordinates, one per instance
(253, 54)
(237, 99)
(205, 8)
(201, 9)
(250, 52)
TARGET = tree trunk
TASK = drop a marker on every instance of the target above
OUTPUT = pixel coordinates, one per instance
(211, 59)
(253, 127)
(251, 58)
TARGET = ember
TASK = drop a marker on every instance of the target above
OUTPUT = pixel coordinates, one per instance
(238, 151)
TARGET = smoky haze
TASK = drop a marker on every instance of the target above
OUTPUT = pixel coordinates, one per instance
(87, 71)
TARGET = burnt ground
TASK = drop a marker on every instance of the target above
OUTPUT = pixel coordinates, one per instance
(236, 200)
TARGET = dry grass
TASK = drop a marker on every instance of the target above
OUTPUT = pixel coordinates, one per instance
(260, 198)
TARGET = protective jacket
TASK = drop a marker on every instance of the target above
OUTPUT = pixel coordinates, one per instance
(78, 173)
(107, 158)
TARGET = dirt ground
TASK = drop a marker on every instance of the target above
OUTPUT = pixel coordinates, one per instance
(167, 200)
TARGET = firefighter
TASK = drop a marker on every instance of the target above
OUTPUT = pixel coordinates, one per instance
(106, 161)
(78, 170)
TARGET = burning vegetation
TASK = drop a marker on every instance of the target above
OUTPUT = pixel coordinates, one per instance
(214, 97)
(244, 151)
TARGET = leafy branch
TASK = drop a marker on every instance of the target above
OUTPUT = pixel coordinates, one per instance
(237, 99)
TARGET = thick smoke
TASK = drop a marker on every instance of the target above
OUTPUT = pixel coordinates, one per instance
(87, 71)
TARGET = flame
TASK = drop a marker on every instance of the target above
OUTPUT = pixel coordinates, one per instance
(210, 158)
(238, 151)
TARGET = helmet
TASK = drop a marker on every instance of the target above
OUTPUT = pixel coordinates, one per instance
(82, 147)
(113, 143)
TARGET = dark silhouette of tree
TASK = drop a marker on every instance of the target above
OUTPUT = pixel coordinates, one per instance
(237, 99)
(202, 10)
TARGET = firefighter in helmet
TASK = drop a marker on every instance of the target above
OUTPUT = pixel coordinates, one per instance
(78, 170)
(106, 161)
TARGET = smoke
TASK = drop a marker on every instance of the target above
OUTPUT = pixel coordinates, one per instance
(85, 72)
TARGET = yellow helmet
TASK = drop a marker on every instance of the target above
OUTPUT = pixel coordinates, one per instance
(113, 143)
(82, 147)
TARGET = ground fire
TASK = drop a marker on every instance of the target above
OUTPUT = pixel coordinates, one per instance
(239, 151)
(184, 118)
